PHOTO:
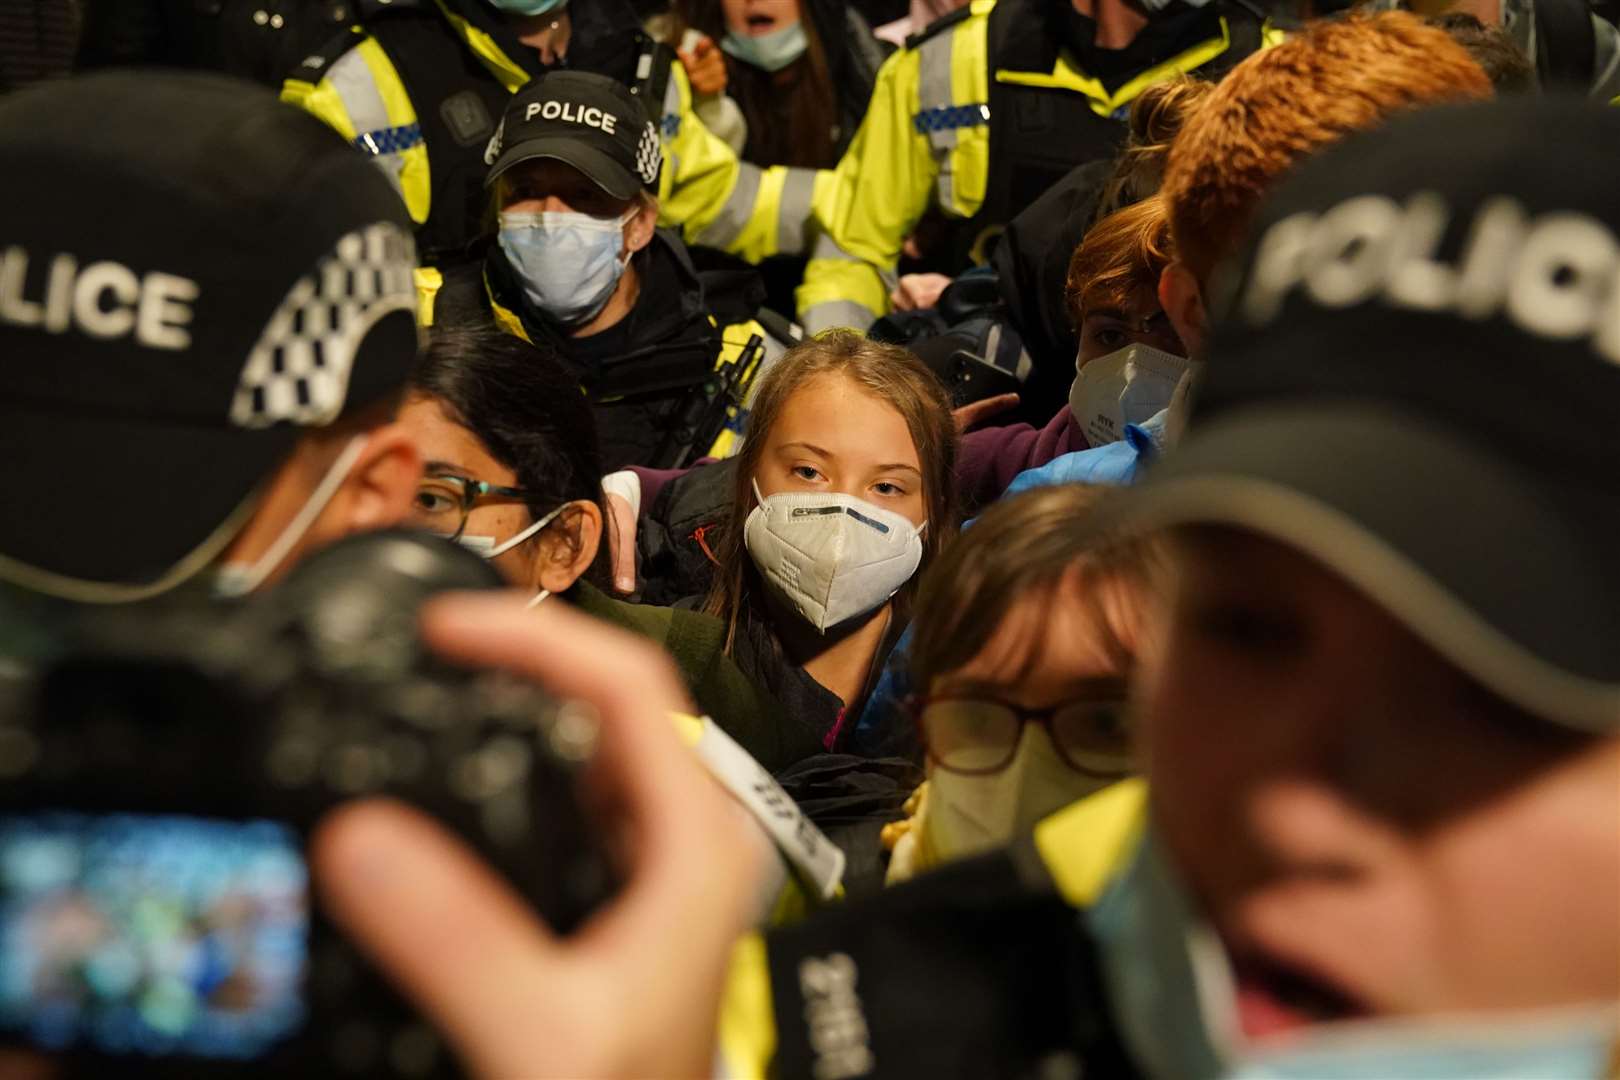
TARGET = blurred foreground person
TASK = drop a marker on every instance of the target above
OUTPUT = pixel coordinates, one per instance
(206, 361)
(1381, 835)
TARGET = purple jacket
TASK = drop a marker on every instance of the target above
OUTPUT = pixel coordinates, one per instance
(992, 456)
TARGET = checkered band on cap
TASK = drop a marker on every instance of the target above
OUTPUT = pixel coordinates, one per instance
(649, 155)
(299, 370)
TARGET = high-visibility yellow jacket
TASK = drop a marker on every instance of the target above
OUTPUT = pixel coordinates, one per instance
(930, 140)
(362, 87)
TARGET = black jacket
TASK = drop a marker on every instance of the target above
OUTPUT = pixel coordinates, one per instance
(639, 372)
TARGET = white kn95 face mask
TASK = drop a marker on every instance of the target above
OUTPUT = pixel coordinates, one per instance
(830, 557)
(1125, 387)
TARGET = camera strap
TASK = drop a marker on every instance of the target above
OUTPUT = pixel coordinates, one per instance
(816, 860)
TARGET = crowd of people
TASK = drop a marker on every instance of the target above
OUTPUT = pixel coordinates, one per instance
(1137, 475)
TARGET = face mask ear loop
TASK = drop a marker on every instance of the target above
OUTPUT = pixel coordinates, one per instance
(246, 580)
(539, 598)
(526, 533)
(629, 216)
(758, 498)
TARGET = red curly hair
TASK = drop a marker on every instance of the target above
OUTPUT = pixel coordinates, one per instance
(1121, 257)
(1334, 78)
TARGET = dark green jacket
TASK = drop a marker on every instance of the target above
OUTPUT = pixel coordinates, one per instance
(697, 642)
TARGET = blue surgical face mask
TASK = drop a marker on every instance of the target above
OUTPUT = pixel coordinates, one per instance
(569, 263)
(772, 52)
(1172, 995)
(1557, 1044)
(528, 7)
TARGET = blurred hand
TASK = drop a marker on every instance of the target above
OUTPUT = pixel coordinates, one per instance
(634, 992)
(918, 292)
(975, 413)
(621, 530)
(705, 67)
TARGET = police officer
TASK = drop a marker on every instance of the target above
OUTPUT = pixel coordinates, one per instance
(421, 85)
(985, 110)
(218, 356)
(579, 264)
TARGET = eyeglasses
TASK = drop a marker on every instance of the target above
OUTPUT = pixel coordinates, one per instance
(977, 736)
(443, 502)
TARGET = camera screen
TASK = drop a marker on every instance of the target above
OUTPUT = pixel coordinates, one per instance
(152, 935)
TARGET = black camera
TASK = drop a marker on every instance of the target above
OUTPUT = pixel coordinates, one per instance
(159, 778)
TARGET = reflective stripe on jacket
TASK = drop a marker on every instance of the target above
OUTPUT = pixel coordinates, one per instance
(705, 191)
(926, 142)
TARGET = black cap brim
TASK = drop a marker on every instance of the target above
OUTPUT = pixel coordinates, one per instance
(1432, 527)
(130, 504)
(601, 169)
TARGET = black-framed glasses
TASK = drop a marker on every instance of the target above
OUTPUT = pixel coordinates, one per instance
(976, 735)
(443, 502)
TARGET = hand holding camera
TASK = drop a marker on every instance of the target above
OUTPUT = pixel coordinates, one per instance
(168, 773)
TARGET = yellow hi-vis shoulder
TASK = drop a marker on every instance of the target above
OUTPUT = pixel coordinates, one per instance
(1086, 846)
(705, 191)
(926, 142)
(360, 95)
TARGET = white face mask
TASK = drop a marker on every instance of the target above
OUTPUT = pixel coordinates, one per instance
(831, 557)
(1124, 387)
(236, 579)
(970, 814)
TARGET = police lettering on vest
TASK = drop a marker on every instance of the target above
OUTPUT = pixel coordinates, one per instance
(570, 113)
(102, 299)
(1556, 275)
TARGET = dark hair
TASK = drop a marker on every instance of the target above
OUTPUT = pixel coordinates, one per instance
(524, 406)
(807, 138)
(1503, 62)
(1023, 545)
(886, 372)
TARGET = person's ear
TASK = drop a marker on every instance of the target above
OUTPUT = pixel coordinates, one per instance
(380, 487)
(1183, 302)
(567, 549)
(638, 233)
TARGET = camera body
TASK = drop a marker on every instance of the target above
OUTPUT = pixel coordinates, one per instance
(159, 781)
